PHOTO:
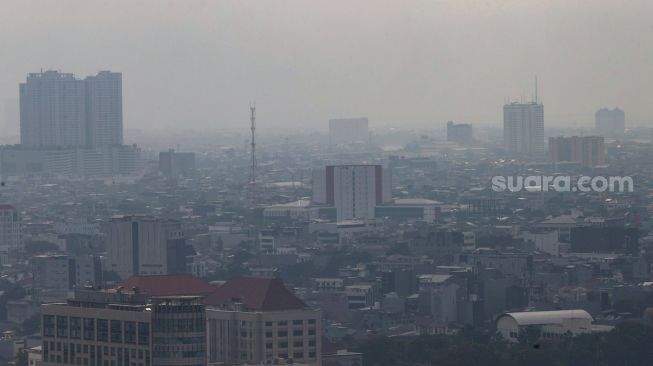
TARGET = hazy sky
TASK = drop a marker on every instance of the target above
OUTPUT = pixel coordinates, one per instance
(197, 64)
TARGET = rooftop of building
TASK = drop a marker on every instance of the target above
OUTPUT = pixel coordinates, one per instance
(546, 317)
(168, 285)
(258, 294)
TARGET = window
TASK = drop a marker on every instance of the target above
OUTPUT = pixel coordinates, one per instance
(282, 333)
(143, 333)
(103, 330)
(116, 331)
(62, 326)
(311, 332)
(283, 345)
(48, 325)
(75, 328)
(268, 324)
(282, 323)
(130, 332)
(268, 334)
(311, 321)
(298, 322)
(89, 329)
(298, 355)
(297, 332)
(311, 343)
(297, 344)
(268, 345)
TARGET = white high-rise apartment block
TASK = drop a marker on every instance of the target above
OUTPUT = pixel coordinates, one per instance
(10, 229)
(57, 109)
(52, 110)
(354, 190)
(348, 130)
(104, 109)
(523, 128)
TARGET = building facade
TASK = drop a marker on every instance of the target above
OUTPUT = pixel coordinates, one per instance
(258, 321)
(10, 230)
(140, 245)
(348, 130)
(610, 122)
(100, 328)
(52, 110)
(459, 132)
(523, 128)
(354, 190)
(588, 150)
(103, 100)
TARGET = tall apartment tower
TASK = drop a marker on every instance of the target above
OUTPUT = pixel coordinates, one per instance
(610, 122)
(10, 230)
(140, 245)
(348, 130)
(354, 190)
(57, 109)
(104, 109)
(523, 128)
(52, 110)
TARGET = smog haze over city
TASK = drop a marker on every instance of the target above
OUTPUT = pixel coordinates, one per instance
(326, 183)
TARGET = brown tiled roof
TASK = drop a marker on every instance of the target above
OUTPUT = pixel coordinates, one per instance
(264, 294)
(169, 285)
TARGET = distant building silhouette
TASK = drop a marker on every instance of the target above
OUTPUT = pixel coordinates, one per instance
(348, 130)
(460, 133)
(57, 109)
(588, 150)
(610, 122)
(523, 128)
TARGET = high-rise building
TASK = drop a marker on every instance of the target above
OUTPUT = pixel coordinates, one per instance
(140, 245)
(348, 130)
(10, 230)
(610, 122)
(52, 110)
(354, 190)
(460, 133)
(118, 327)
(173, 164)
(57, 109)
(104, 109)
(588, 150)
(523, 128)
(259, 321)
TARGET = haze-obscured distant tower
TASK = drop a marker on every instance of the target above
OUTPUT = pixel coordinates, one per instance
(610, 122)
(59, 110)
(52, 110)
(348, 131)
(523, 128)
(104, 109)
(253, 191)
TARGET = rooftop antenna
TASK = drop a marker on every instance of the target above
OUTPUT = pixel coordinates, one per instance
(535, 89)
(253, 166)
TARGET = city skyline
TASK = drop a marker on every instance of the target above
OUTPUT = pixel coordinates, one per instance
(322, 71)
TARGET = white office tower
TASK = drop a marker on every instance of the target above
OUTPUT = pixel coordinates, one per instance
(104, 109)
(354, 190)
(523, 128)
(52, 110)
(348, 131)
(10, 230)
(610, 122)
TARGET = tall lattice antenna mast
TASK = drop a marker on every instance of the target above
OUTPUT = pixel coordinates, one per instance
(252, 172)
